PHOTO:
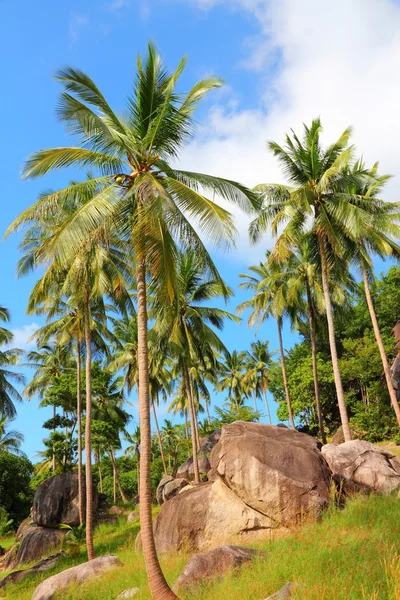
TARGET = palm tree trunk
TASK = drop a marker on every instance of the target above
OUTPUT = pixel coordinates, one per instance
(114, 483)
(311, 324)
(267, 406)
(379, 341)
(79, 418)
(117, 481)
(159, 436)
(195, 413)
(100, 471)
(53, 460)
(158, 586)
(192, 426)
(207, 412)
(332, 343)
(88, 430)
(284, 374)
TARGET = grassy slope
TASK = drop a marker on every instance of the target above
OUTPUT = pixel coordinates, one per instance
(352, 554)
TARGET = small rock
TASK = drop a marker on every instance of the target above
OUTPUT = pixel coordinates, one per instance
(115, 510)
(173, 487)
(214, 564)
(132, 516)
(283, 594)
(127, 594)
(160, 488)
(48, 589)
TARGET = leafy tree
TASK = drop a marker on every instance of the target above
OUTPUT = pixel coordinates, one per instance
(232, 372)
(259, 360)
(15, 491)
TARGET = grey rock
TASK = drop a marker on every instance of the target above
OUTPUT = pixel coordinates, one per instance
(35, 543)
(127, 594)
(361, 464)
(283, 594)
(40, 567)
(115, 510)
(132, 516)
(214, 564)
(87, 571)
(186, 471)
(173, 487)
(160, 488)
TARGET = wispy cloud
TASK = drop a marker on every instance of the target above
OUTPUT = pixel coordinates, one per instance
(22, 335)
(76, 24)
(118, 5)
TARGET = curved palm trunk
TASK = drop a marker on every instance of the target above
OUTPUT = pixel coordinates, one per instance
(99, 469)
(159, 437)
(267, 406)
(195, 413)
(332, 343)
(79, 420)
(192, 426)
(284, 374)
(311, 324)
(158, 585)
(88, 431)
(379, 341)
(208, 412)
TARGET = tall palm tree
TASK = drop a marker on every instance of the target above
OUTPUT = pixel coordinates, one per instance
(269, 299)
(148, 201)
(10, 440)
(187, 325)
(319, 200)
(259, 360)
(9, 357)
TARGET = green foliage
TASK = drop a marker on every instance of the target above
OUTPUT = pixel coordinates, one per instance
(15, 492)
(5, 522)
(74, 540)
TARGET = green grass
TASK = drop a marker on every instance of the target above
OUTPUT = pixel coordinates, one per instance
(353, 554)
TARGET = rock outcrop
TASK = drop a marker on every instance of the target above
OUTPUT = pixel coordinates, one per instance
(284, 593)
(48, 589)
(267, 479)
(160, 488)
(56, 501)
(362, 465)
(213, 564)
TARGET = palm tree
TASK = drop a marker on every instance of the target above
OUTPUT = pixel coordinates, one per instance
(186, 324)
(259, 360)
(9, 357)
(148, 201)
(319, 201)
(268, 300)
(378, 238)
(231, 373)
(10, 441)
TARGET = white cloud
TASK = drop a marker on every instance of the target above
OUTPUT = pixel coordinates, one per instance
(22, 335)
(337, 60)
(76, 24)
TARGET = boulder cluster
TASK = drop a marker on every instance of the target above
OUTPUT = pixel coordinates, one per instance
(261, 480)
(55, 503)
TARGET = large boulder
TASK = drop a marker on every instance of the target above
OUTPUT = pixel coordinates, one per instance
(186, 471)
(276, 471)
(23, 527)
(48, 589)
(360, 464)
(213, 564)
(36, 543)
(267, 479)
(56, 501)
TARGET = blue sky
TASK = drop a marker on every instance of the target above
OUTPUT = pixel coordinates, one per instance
(280, 67)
